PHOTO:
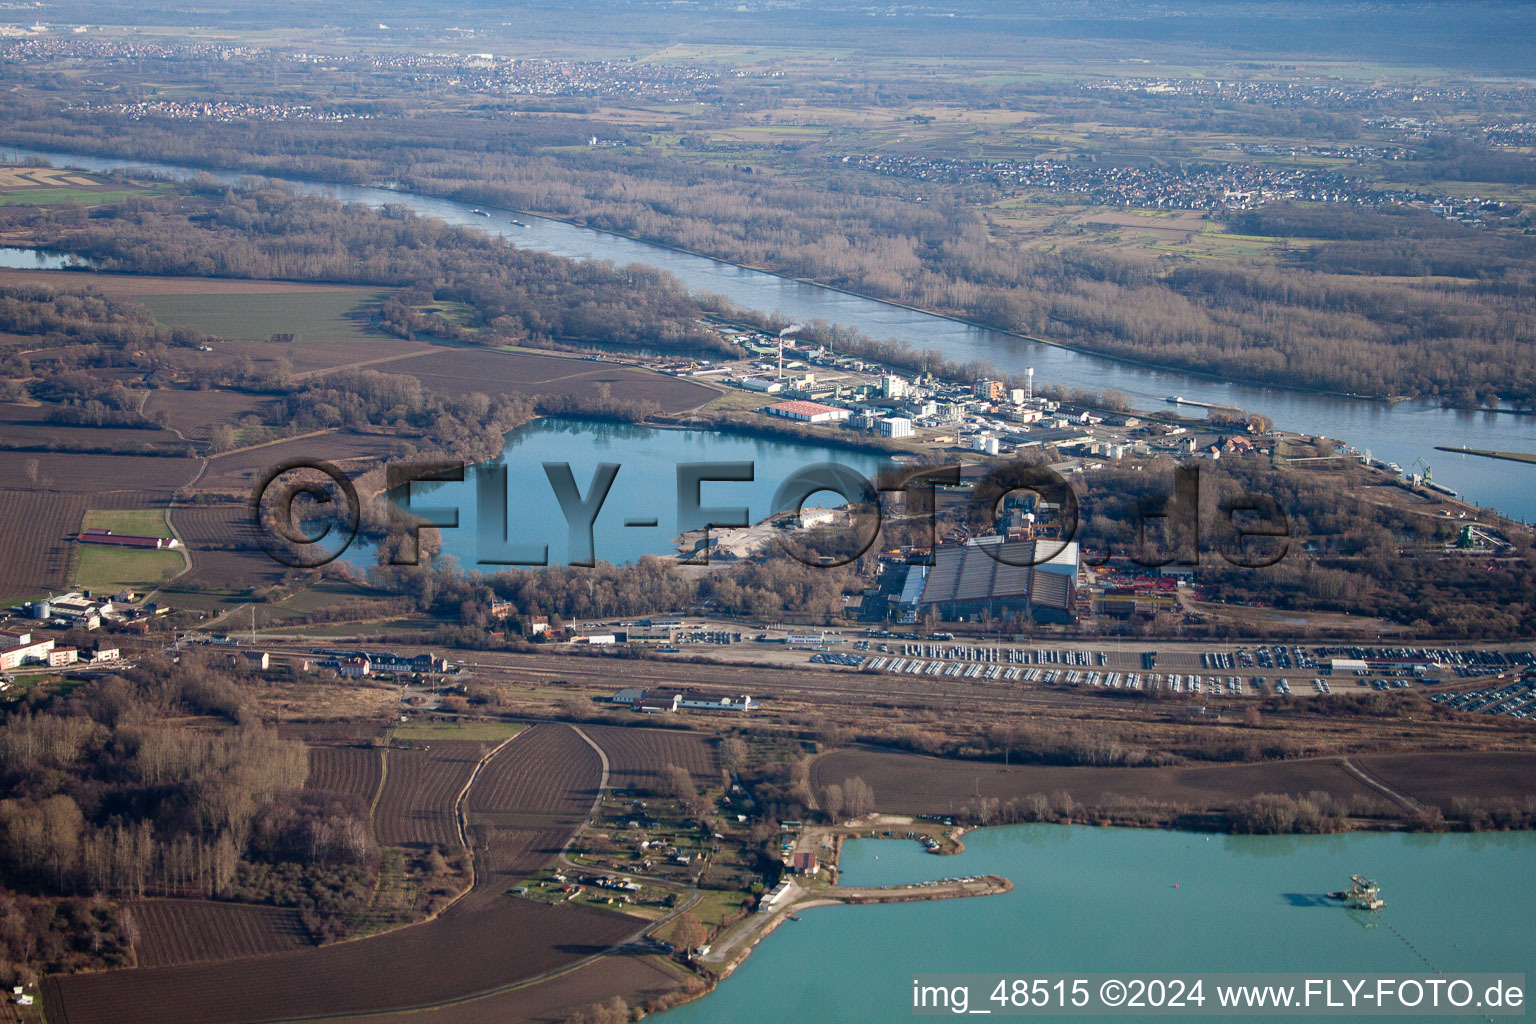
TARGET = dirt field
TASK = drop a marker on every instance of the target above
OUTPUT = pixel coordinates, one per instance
(912, 784)
(637, 756)
(95, 474)
(225, 553)
(484, 942)
(37, 559)
(456, 371)
(1440, 779)
(27, 426)
(507, 856)
(174, 932)
(420, 785)
(527, 803)
(194, 413)
(548, 775)
(354, 771)
(639, 979)
(238, 471)
(468, 949)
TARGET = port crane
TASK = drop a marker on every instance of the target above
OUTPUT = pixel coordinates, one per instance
(1429, 474)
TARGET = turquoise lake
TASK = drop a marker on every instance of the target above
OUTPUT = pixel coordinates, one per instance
(1098, 900)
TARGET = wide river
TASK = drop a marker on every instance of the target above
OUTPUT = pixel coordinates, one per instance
(1101, 900)
(1399, 433)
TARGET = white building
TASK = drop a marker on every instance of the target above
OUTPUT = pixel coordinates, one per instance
(810, 517)
(21, 654)
(703, 702)
(895, 426)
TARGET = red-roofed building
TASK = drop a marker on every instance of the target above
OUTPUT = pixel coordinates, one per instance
(807, 412)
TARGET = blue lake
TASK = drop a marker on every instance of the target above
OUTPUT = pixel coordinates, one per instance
(645, 487)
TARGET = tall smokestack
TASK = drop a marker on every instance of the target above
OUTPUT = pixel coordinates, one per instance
(1029, 384)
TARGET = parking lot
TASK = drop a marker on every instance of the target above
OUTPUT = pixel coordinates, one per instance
(1517, 699)
(1257, 670)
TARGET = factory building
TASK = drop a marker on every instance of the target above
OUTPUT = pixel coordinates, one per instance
(993, 575)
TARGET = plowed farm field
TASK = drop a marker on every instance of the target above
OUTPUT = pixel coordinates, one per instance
(479, 947)
(915, 784)
(239, 470)
(194, 413)
(35, 557)
(638, 979)
(353, 771)
(96, 474)
(193, 931)
(636, 757)
(420, 787)
(547, 776)
(471, 948)
(527, 803)
(1443, 777)
(223, 546)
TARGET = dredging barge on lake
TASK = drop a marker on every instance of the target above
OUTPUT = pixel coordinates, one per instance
(1362, 894)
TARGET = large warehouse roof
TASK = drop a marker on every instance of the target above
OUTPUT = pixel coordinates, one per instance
(969, 573)
(990, 569)
(800, 408)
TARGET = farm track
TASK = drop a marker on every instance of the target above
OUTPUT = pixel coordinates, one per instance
(1407, 802)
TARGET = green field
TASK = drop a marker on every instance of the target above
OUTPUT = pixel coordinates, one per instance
(331, 315)
(485, 732)
(142, 522)
(112, 569)
(67, 196)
